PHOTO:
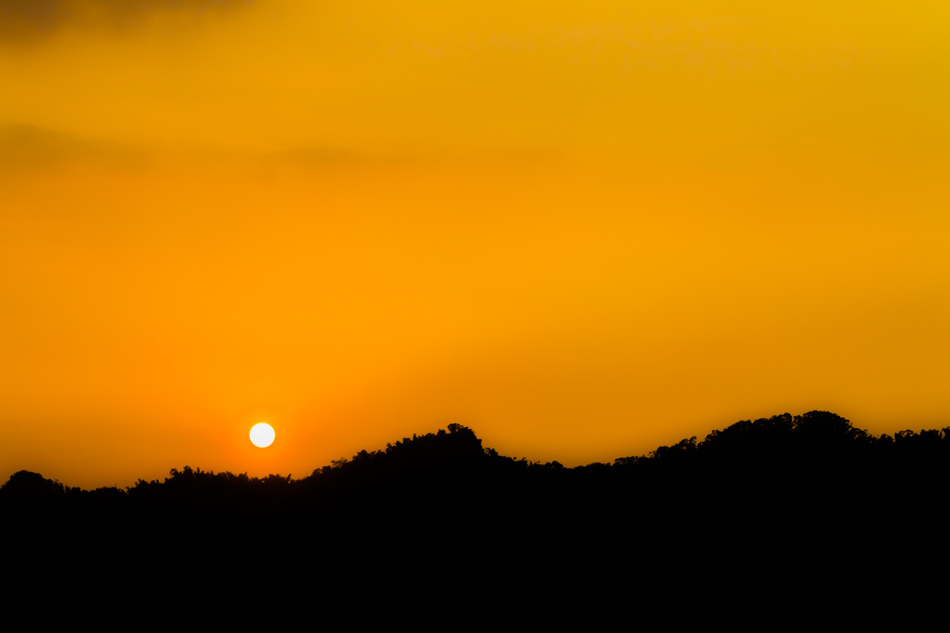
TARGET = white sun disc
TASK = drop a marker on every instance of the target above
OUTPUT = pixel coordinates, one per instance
(262, 434)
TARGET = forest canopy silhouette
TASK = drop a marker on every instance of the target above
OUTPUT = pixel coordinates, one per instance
(810, 459)
(441, 515)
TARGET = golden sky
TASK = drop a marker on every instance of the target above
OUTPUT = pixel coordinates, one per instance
(583, 231)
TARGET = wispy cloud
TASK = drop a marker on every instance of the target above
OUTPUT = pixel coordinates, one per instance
(23, 21)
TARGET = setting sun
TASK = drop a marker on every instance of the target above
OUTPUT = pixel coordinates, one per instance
(262, 435)
(586, 230)
(578, 286)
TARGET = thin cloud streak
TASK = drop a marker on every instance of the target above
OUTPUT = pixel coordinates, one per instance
(29, 21)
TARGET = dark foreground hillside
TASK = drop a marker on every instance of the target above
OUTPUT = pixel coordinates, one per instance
(769, 506)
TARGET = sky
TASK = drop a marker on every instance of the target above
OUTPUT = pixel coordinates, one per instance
(582, 231)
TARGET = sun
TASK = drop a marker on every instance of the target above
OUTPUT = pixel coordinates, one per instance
(262, 435)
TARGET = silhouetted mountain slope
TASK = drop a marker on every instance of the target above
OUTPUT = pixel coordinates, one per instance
(818, 455)
(750, 508)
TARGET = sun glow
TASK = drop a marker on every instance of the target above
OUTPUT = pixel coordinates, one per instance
(262, 435)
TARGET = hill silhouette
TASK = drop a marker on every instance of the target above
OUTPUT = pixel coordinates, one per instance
(815, 455)
(760, 498)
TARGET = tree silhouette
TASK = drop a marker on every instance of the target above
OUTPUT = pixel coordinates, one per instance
(763, 496)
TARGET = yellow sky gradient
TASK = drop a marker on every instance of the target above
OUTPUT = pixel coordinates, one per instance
(584, 232)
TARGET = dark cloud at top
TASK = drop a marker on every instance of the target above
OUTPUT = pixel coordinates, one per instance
(27, 146)
(24, 21)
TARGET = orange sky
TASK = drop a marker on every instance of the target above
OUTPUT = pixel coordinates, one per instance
(583, 232)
